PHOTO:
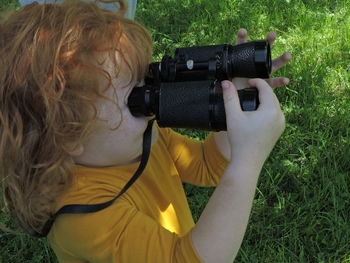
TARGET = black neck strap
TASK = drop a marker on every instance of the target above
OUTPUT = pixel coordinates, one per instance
(84, 209)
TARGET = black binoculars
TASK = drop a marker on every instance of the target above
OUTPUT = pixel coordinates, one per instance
(185, 91)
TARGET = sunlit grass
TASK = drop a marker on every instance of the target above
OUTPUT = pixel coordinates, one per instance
(302, 208)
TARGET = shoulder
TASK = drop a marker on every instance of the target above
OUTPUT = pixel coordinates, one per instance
(113, 233)
(85, 234)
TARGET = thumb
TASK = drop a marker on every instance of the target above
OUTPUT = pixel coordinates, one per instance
(231, 99)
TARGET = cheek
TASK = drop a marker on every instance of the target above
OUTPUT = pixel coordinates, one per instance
(110, 114)
(114, 121)
(135, 126)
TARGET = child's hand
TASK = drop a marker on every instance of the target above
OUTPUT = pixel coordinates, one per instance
(252, 134)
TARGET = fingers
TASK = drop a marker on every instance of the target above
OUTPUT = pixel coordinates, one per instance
(277, 82)
(231, 99)
(281, 61)
(271, 37)
(267, 98)
(241, 36)
(240, 83)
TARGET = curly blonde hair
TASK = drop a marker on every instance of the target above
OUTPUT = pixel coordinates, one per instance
(49, 84)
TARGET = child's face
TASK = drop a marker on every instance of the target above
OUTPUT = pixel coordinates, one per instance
(108, 146)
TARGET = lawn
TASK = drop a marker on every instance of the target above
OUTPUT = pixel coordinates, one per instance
(301, 211)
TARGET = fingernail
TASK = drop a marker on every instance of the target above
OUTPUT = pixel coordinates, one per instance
(225, 85)
(286, 81)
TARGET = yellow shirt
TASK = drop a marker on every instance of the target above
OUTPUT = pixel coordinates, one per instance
(152, 221)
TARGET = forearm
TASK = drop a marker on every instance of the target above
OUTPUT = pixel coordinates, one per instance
(220, 230)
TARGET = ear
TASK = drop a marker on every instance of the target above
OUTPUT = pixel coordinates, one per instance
(78, 150)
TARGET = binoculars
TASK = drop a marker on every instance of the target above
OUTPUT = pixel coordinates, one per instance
(185, 91)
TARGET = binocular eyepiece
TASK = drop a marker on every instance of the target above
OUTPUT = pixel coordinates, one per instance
(185, 91)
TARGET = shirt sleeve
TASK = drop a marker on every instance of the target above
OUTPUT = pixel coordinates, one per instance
(198, 162)
(119, 233)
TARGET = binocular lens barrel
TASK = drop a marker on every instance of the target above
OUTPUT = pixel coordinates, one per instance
(247, 60)
(251, 60)
(177, 106)
(185, 92)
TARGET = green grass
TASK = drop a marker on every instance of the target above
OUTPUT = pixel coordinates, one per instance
(301, 212)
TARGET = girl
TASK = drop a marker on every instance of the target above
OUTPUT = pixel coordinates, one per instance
(67, 137)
